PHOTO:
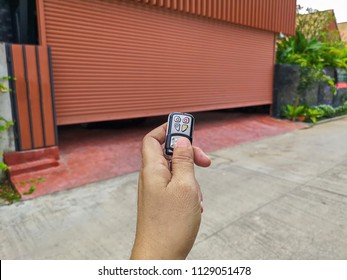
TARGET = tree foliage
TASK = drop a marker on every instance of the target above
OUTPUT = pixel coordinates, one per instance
(313, 48)
(313, 45)
(315, 24)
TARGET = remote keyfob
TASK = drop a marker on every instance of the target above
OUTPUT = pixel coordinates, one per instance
(179, 125)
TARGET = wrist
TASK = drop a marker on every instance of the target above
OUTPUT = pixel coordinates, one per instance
(145, 251)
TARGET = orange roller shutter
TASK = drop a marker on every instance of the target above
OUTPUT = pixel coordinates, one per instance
(123, 59)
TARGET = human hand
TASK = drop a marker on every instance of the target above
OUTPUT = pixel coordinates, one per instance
(169, 203)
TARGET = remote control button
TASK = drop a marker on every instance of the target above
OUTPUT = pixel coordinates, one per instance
(177, 119)
(184, 127)
(177, 126)
(173, 141)
(186, 120)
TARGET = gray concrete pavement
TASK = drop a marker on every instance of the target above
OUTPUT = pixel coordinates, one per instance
(283, 197)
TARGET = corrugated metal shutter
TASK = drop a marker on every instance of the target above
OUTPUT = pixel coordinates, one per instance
(118, 59)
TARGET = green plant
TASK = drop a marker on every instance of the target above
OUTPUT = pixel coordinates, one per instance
(8, 193)
(32, 188)
(30, 191)
(292, 112)
(335, 55)
(315, 24)
(299, 50)
(341, 110)
(313, 48)
(4, 124)
(306, 113)
(313, 114)
(327, 111)
(3, 166)
(38, 180)
(330, 112)
(3, 88)
(344, 97)
(311, 55)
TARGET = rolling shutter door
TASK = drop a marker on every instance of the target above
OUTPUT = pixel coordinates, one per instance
(122, 59)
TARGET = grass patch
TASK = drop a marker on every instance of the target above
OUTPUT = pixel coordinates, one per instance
(8, 194)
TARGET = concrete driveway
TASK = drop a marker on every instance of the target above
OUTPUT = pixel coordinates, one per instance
(283, 197)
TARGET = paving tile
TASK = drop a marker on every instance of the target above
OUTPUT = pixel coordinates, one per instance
(304, 224)
(249, 213)
(56, 226)
(230, 192)
(113, 149)
(294, 159)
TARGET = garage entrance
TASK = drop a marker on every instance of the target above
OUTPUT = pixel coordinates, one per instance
(123, 59)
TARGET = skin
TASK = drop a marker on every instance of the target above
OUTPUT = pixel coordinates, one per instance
(169, 202)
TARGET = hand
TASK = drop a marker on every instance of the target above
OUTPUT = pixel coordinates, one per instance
(169, 203)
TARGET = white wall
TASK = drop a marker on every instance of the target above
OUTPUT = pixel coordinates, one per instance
(6, 138)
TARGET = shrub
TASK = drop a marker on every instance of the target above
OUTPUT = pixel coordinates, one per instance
(313, 48)
(341, 110)
(327, 110)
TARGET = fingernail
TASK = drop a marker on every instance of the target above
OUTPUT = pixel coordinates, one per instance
(183, 142)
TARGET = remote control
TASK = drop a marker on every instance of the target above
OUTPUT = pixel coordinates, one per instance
(178, 125)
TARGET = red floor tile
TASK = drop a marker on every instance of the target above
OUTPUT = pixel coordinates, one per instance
(112, 149)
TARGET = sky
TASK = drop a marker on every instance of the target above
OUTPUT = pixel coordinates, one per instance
(339, 7)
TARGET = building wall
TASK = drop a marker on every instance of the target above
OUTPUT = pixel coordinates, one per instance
(343, 31)
(7, 137)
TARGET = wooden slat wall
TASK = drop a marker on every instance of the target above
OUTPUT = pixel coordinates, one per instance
(32, 95)
(271, 15)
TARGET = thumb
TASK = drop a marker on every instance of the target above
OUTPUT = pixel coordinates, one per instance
(183, 161)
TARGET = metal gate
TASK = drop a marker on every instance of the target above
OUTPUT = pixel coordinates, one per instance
(123, 59)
